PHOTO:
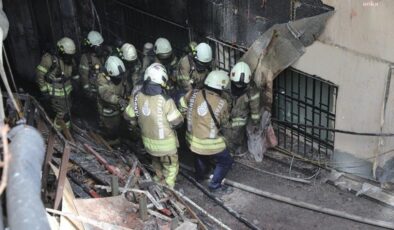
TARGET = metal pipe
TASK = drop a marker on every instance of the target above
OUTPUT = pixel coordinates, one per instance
(25, 209)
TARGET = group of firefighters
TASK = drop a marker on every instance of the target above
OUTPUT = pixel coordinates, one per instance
(155, 96)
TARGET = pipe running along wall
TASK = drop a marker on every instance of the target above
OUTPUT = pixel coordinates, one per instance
(25, 209)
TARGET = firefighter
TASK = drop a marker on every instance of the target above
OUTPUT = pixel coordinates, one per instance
(194, 67)
(111, 97)
(245, 107)
(206, 116)
(91, 63)
(148, 56)
(165, 56)
(56, 74)
(157, 117)
(133, 67)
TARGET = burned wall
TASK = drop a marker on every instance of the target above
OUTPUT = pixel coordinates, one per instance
(36, 26)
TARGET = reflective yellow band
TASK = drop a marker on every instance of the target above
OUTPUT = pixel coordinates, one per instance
(239, 119)
(182, 104)
(174, 115)
(254, 97)
(44, 88)
(238, 124)
(59, 91)
(183, 77)
(205, 144)
(42, 69)
(84, 67)
(130, 111)
(255, 116)
(76, 77)
(86, 86)
(163, 145)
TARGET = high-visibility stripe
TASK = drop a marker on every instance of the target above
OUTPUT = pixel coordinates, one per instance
(182, 104)
(130, 111)
(86, 86)
(44, 88)
(255, 116)
(84, 67)
(183, 77)
(163, 145)
(75, 77)
(59, 91)
(42, 69)
(254, 97)
(239, 119)
(173, 116)
(238, 124)
(205, 144)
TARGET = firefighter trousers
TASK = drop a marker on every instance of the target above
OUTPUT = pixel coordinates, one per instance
(223, 161)
(166, 169)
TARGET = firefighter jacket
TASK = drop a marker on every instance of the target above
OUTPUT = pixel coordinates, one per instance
(157, 116)
(188, 77)
(109, 95)
(245, 106)
(54, 76)
(203, 136)
(89, 68)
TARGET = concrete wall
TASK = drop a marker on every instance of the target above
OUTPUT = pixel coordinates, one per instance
(355, 52)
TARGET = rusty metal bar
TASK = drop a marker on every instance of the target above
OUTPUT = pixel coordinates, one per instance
(62, 176)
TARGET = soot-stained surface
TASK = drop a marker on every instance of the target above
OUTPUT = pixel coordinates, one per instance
(269, 214)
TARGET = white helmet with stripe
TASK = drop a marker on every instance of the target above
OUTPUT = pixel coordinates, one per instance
(129, 52)
(241, 73)
(114, 66)
(203, 53)
(156, 73)
(66, 45)
(217, 79)
(94, 38)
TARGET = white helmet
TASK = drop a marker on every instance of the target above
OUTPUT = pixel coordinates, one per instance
(66, 45)
(163, 48)
(217, 79)
(129, 52)
(157, 73)
(95, 38)
(147, 48)
(203, 53)
(241, 73)
(114, 66)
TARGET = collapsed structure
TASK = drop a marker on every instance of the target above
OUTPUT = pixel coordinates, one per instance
(312, 99)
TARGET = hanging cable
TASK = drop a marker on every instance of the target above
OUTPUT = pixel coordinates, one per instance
(97, 16)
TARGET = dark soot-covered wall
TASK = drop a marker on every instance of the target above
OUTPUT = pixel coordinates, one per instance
(35, 26)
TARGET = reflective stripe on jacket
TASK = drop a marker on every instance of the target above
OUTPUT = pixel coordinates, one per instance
(156, 115)
(202, 134)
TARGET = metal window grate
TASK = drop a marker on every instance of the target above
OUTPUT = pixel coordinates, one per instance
(225, 55)
(304, 99)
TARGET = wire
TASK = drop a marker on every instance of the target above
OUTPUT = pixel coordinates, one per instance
(334, 130)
